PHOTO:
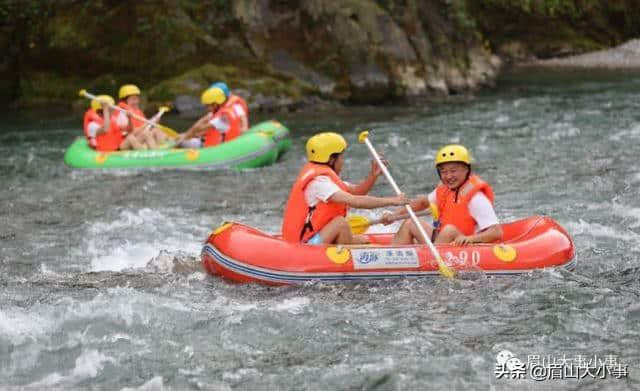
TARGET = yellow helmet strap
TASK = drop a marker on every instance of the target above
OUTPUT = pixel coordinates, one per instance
(332, 160)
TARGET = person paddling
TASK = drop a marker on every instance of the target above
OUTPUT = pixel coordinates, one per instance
(133, 121)
(317, 205)
(227, 119)
(464, 204)
(101, 130)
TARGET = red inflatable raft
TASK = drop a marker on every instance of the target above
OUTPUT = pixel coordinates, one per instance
(244, 254)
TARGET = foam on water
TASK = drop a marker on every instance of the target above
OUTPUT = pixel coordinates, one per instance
(295, 305)
(502, 119)
(583, 227)
(632, 133)
(625, 211)
(154, 384)
(87, 366)
(562, 130)
(119, 305)
(18, 325)
(123, 243)
(130, 255)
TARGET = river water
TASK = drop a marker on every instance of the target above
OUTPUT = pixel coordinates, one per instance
(98, 288)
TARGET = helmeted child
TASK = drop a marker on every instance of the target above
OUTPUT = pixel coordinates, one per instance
(319, 199)
(132, 121)
(102, 133)
(227, 119)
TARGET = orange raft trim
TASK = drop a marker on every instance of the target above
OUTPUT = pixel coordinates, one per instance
(244, 254)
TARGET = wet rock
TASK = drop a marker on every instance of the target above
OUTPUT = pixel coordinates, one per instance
(283, 62)
(515, 51)
(369, 84)
(178, 262)
(187, 105)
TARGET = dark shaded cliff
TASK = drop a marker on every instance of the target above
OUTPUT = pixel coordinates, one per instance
(285, 53)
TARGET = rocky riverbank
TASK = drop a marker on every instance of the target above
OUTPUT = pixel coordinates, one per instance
(287, 56)
(622, 57)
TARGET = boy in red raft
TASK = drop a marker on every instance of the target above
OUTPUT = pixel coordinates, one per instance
(228, 118)
(464, 203)
(317, 206)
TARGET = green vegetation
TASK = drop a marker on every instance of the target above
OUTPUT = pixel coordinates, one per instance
(52, 48)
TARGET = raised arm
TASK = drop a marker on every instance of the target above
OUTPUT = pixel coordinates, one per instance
(365, 186)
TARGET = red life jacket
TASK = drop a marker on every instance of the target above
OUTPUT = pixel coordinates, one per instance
(108, 141)
(454, 205)
(301, 221)
(135, 123)
(234, 111)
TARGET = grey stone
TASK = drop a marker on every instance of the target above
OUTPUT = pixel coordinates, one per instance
(369, 83)
(282, 62)
(187, 105)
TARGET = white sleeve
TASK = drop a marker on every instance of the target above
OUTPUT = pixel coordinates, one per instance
(239, 110)
(220, 123)
(321, 188)
(92, 128)
(432, 197)
(122, 120)
(482, 211)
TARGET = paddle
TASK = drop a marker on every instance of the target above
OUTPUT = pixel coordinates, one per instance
(155, 119)
(168, 131)
(442, 267)
(359, 224)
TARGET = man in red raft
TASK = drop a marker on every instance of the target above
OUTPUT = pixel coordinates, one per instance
(317, 206)
(226, 119)
(464, 204)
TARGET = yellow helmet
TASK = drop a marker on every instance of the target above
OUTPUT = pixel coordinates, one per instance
(127, 90)
(96, 103)
(213, 95)
(453, 153)
(321, 146)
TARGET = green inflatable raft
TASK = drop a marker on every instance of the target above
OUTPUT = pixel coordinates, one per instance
(260, 146)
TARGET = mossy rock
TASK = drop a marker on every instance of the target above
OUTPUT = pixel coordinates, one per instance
(194, 81)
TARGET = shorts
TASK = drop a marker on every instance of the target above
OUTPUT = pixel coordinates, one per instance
(315, 239)
(192, 143)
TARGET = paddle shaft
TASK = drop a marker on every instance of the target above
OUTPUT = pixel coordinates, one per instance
(155, 118)
(413, 216)
(134, 115)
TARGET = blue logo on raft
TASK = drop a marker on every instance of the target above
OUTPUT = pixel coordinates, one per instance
(366, 258)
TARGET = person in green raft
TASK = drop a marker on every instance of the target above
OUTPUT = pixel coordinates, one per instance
(228, 118)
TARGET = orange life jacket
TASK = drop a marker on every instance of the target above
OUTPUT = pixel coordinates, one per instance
(108, 141)
(235, 112)
(239, 105)
(301, 221)
(453, 205)
(135, 123)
